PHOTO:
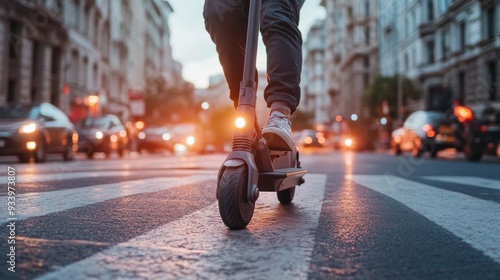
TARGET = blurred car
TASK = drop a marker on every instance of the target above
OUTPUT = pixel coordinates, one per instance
(188, 137)
(102, 134)
(34, 131)
(309, 138)
(157, 138)
(423, 131)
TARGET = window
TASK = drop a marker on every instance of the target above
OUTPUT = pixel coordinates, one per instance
(461, 85)
(85, 70)
(490, 23)
(11, 91)
(444, 43)
(492, 73)
(366, 62)
(462, 34)
(74, 67)
(430, 10)
(367, 8)
(34, 59)
(407, 62)
(75, 13)
(430, 52)
(367, 35)
(56, 61)
(14, 40)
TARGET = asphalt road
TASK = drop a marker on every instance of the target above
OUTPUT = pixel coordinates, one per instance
(358, 216)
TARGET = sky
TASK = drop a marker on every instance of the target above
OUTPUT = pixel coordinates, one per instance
(192, 46)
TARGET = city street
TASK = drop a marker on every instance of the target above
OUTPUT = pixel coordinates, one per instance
(358, 216)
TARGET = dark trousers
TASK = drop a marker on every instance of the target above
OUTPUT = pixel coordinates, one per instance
(226, 22)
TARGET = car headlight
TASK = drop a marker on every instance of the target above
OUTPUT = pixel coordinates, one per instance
(28, 128)
(165, 136)
(99, 135)
(141, 135)
(190, 140)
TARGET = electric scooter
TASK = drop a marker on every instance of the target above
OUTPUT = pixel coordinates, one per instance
(251, 167)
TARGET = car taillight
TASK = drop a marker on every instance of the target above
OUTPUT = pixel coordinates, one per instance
(429, 130)
(463, 113)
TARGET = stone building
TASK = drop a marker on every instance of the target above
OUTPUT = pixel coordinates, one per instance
(450, 48)
(351, 54)
(315, 98)
(65, 51)
(32, 49)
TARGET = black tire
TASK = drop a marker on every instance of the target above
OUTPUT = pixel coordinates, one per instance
(473, 151)
(68, 154)
(397, 150)
(434, 153)
(24, 158)
(90, 155)
(234, 208)
(286, 196)
(40, 154)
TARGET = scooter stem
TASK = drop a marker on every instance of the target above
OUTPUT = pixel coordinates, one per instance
(252, 41)
(244, 138)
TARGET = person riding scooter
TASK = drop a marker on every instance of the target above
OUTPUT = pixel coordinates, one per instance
(226, 22)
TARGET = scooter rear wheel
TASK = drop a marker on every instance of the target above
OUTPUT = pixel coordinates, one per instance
(234, 208)
(286, 196)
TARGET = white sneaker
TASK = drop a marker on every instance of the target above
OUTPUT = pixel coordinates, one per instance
(278, 132)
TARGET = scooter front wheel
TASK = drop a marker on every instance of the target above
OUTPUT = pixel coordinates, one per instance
(234, 208)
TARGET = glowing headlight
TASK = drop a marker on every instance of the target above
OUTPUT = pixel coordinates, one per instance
(99, 135)
(28, 128)
(190, 140)
(113, 138)
(348, 142)
(165, 136)
(141, 135)
(240, 122)
(123, 133)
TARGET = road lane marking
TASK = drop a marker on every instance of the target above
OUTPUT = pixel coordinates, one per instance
(475, 221)
(277, 244)
(466, 180)
(36, 178)
(43, 203)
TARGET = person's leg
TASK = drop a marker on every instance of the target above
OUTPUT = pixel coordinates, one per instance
(226, 22)
(283, 40)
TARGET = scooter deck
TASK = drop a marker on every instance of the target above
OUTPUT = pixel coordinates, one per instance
(281, 179)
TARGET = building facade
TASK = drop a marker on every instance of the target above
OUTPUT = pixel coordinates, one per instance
(65, 51)
(450, 48)
(351, 54)
(315, 97)
(32, 49)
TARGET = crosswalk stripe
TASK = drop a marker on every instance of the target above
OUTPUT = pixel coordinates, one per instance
(474, 220)
(200, 246)
(43, 203)
(37, 178)
(466, 180)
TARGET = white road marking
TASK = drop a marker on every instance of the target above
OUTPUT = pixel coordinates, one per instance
(277, 244)
(43, 203)
(464, 180)
(474, 220)
(36, 178)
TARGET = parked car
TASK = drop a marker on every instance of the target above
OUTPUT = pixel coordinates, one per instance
(102, 134)
(476, 133)
(309, 138)
(189, 137)
(423, 131)
(35, 130)
(155, 138)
